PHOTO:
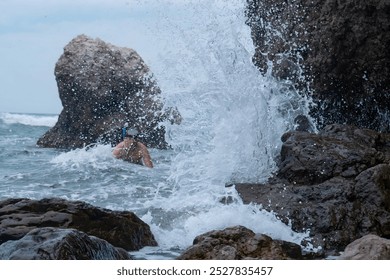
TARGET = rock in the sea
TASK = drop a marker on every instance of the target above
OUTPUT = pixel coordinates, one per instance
(369, 247)
(338, 49)
(239, 243)
(120, 228)
(60, 244)
(102, 87)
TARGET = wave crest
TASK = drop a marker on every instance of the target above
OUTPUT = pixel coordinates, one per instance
(29, 119)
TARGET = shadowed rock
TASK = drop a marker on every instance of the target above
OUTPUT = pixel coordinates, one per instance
(120, 228)
(340, 50)
(60, 244)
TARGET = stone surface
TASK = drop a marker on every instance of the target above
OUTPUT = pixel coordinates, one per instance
(336, 184)
(101, 87)
(340, 50)
(120, 228)
(369, 247)
(237, 243)
(308, 158)
(60, 244)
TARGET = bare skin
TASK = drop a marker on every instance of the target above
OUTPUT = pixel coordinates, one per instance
(133, 151)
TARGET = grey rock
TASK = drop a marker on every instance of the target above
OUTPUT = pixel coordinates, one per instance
(102, 87)
(308, 158)
(337, 51)
(60, 244)
(369, 247)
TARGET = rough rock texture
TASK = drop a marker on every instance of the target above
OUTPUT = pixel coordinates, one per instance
(335, 184)
(102, 87)
(120, 228)
(237, 243)
(309, 158)
(369, 247)
(340, 49)
(60, 244)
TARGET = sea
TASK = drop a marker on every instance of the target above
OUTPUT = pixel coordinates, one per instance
(233, 119)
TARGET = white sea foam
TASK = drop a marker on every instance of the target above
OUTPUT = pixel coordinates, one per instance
(28, 119)
(96, 156)
(233, 119)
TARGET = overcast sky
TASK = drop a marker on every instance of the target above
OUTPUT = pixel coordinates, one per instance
(34, 32)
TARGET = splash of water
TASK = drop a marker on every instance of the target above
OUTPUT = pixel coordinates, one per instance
(27, 119)
(233, 118)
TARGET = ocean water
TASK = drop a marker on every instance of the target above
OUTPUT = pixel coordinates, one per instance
(233, 118)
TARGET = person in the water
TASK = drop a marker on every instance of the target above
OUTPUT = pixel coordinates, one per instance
(132, 150)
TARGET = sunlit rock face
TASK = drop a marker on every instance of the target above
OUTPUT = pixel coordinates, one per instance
(102, 87)
(337, 51)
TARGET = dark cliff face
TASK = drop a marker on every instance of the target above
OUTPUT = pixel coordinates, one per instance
(338, 52)
(102, 87)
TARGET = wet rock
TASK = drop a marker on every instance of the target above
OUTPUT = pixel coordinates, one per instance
(308, 158)
(335, 184)
(102, 87)
(237, 243)
(338, 51)
(120, 228)
(60, 244)
(369, 247)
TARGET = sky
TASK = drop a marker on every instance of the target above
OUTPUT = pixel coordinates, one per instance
(33, 34)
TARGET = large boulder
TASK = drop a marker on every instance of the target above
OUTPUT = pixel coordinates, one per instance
(340, 50)
(60, 244)
(102, 87)
(120, 228)
(308, 158)
(237, 243)
(335, 185)
(369, 247)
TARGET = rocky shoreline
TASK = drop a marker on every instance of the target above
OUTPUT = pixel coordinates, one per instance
(336, 184)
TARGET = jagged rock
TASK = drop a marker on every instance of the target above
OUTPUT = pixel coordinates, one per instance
(101, 87)
(120, 228)
(236, 243)
(369, 247)
(60, 244)
(308, 158)
(337, 49)
(335, 184)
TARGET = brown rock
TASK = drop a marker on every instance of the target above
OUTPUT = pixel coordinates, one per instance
(236, 243)
(369, 247)
(120, 228)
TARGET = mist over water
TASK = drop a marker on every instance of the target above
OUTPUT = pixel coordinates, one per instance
(233, 118)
